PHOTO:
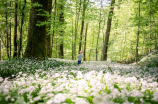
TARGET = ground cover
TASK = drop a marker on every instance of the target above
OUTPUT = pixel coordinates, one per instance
(26, 81)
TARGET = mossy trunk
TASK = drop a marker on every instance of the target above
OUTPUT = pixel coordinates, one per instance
(36, 44)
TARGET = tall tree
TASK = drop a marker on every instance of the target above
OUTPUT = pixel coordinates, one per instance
(54, 19)
(155, 34)
(82, 24)
(15, 29)
(85, 39)
(76, 27)
(72, 40)
(10, 32)
(150, 25)
(136, 51)
(36, 44)
(21, 28)
(106, 41)
(7, 34)
(0, 49)
(49, 52)
(98, 32)
(61, 5)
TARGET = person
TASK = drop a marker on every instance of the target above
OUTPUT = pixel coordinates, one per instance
(79, 58)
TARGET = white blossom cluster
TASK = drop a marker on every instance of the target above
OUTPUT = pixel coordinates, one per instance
(89, 83)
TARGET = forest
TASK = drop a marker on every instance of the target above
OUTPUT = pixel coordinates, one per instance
(119, 30)
(40, 41)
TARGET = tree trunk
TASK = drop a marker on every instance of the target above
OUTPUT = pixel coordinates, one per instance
(72, 40)
(155, 34)
(15, 29)
(7, 35)
(150, 26)
(49, 52)
(55, 3)
(36, 44)
(98, 34)
(91, 49)
(136, 52)
(85, 39)
(21, 27)
(82, 24)
(61, 30)
(10, 39)
(105, 48)
(0, 49)
(76, 28)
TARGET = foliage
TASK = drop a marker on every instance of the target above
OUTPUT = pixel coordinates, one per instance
(150, 60)
(57, 81)
(123, 32)
(10, 68)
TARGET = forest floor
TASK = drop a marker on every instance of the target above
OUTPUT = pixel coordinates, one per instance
(57, 81)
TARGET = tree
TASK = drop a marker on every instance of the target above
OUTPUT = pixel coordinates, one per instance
(7, 34)
(76, 27)
(0, 49)
(105, 48)
(21, 28)
(36, 44)
(98, 32)
(54, 19)
(150, 25)
(136, 52)
(15, 29)
(49, 50)
(82, 24)
(61, 4)
(85, 39)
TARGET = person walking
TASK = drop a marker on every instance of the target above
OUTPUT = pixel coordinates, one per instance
(79, 58)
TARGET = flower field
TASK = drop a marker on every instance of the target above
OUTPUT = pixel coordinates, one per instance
(26, 81)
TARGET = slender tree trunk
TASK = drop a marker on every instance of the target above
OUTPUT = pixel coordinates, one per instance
(91, 49)
(105, 48)
(155, 34)
(150, 26)
(61, 31)
(136, 52)
(98, 34)
(36, 44)
(21, 29)
(49, 52)
(15, 29)
(82, 24)
(0, 49)
(76, 27)
(53, 33)
(7, 34)
(90, 54)
(56, 49)
(72, 40)
(10, 39)
(85, 39)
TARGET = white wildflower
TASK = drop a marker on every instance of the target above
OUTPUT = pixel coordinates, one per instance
(24, 75)
(37, 98)
(20, 73)
(1, 79)
(50, 101)
(7, 97)
(59, 98)
(81, 101)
